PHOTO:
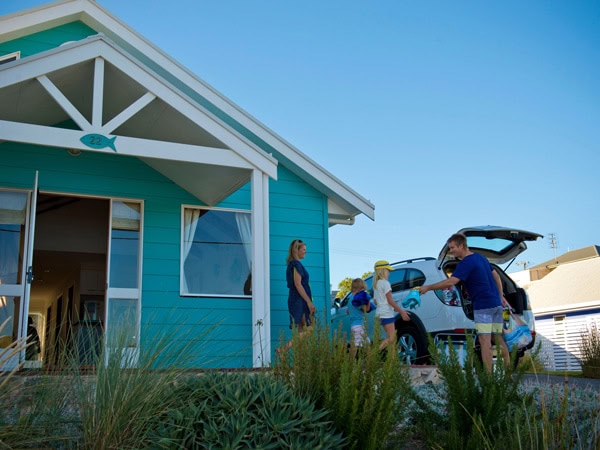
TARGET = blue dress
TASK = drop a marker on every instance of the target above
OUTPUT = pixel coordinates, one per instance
(296, 304)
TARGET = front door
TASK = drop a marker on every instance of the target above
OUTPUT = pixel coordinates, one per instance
(86, 257)
(15, 235)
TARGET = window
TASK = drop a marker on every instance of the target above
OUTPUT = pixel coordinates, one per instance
(216, 251)
(414, 278)
(10, 57)
(124, 244)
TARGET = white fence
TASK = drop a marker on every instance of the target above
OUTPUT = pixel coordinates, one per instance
(560, 338)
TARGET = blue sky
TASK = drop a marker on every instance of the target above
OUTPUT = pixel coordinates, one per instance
(442, 114)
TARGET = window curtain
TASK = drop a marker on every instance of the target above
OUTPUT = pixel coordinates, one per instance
(244, 224)
(191, 217)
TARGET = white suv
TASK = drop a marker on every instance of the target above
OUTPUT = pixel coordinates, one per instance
(447, 313)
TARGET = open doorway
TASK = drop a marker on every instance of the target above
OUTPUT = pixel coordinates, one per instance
(69, 269)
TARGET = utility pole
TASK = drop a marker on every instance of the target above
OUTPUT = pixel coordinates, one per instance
(523, 263)
(553, 244)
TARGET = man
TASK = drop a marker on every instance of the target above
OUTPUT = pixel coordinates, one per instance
(485, 290)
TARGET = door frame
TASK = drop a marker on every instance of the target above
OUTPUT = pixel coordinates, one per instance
(22, 289)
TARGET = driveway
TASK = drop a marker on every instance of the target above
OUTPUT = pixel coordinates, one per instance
(561, 380)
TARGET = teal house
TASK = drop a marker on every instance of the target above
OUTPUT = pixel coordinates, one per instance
(136, 198)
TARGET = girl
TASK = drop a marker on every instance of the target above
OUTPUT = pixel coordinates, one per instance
(382, 293)
(359, 305)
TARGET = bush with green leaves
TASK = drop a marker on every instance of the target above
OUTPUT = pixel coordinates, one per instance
(473, 409)
(590, 352)
(472, 403)
(366, 394)
(241, 410)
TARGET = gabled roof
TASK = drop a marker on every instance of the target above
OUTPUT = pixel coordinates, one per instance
(344, 203)
(592, 251)
(568, 287)
(151, 119)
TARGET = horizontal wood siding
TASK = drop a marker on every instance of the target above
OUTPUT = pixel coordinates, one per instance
(297, 211)
(107, 175)
(46, 40)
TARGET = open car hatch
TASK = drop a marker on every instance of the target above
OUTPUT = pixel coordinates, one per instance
(497, 244)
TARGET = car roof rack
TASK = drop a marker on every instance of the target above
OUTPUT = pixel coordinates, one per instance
(412, 260)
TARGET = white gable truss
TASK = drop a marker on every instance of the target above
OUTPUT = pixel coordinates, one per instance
(344, 203)
(32, 95)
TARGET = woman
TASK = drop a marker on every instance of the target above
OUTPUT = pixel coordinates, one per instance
(300, 304)
(382, 295)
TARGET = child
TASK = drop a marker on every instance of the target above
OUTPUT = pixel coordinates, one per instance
(386, 306)
(359, 305)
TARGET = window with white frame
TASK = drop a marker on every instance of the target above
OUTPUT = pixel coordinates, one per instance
(216, 252)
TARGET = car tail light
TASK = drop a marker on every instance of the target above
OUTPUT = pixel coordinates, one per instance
(448, 296)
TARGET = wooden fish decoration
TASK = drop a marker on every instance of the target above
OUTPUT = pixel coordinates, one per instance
(98, 141)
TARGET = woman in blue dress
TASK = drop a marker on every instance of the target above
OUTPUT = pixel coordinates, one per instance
(300, 304)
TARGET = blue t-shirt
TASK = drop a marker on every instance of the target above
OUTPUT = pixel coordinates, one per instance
(359, 299)
(475, 272)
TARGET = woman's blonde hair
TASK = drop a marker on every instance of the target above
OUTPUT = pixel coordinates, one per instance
(293, 250)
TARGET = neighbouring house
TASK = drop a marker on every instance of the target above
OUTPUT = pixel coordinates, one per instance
(136, 198)
(565, 298)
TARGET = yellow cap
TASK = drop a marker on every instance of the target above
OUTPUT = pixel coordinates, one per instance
(383, 264)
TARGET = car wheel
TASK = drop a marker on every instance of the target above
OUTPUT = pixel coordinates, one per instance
(411, 346)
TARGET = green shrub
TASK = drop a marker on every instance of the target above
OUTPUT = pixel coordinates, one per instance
(590, 352)
(472, 402)
(368, 397)
(221, 410)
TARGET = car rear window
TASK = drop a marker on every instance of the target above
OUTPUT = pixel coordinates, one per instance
(496, 245)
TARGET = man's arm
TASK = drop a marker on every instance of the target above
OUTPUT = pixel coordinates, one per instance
(500, 290)
(444, 284)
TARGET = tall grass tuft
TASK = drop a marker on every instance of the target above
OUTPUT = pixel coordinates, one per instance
(367, 397)
(112, 406)
(590, 352)
(119, 403)
(473, 401)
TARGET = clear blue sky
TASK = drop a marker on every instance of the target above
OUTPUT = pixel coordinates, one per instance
(443, 114)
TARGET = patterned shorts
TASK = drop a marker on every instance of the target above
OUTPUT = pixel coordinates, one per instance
(489, 320)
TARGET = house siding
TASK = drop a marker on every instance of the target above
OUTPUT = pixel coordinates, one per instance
(296, 211)
(46, 40)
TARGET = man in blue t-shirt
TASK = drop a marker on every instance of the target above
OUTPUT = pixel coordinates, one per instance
(485, 291)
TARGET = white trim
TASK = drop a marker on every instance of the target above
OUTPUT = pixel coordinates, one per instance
(261, 293)
(64, 103)
(14, 56)
(567, 308)
(63, 138)
(98, 46)
(98, 93)
(100, 19)
(182, 256)
(127, 113)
